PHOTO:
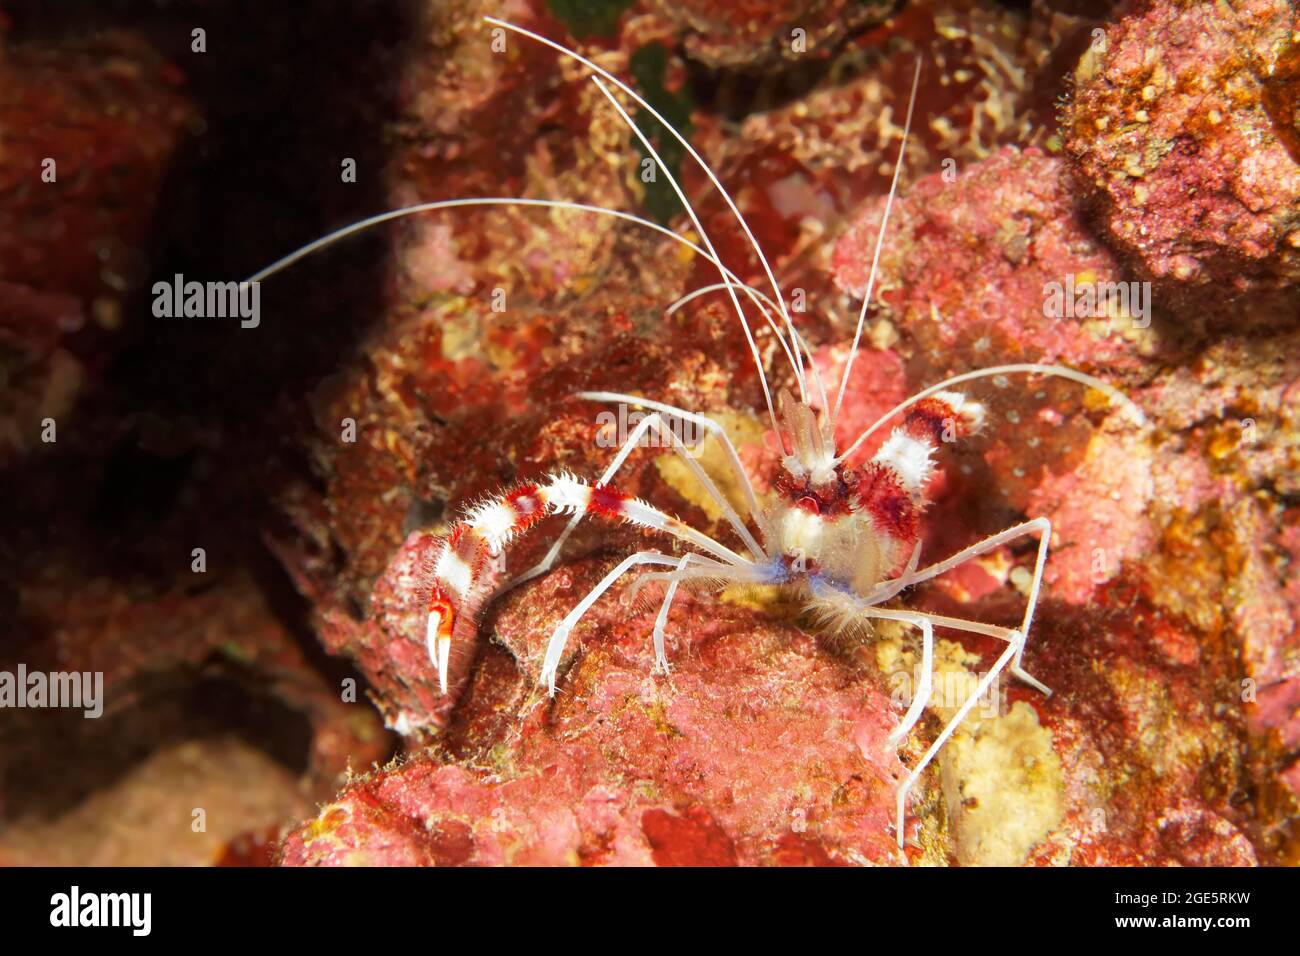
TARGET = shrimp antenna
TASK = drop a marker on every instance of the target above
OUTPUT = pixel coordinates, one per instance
(731, 289)
(362, 224)
(880, 242)
(729, 278)
(785, 314)
(1060, 371)
(759, 299)
(755, 296)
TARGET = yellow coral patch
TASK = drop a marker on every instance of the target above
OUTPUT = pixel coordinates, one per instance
(1004, 787)
(1001, 778)
(742, 429)
(462, 331)
(327, 821)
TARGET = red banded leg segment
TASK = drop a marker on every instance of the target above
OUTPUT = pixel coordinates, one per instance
(469, 569)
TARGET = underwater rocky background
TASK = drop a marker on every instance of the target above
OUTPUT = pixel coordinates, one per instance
(281, 683)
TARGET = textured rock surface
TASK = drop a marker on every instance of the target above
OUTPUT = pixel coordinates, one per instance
(753, 33)
(1183, 127)
(967, 259)
(761, 747)
(1180, 515)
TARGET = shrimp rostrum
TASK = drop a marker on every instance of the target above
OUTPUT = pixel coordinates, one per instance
(845, 540)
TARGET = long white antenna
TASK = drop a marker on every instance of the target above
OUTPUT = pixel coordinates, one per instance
(731, 290)
(689, 149)
(880, 241)
(351, 229)
(362, 224)
(817, 376)
(756, 296)
(343, 232)
(1058, 370)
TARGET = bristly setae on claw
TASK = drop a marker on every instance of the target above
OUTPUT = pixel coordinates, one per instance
(843, 539)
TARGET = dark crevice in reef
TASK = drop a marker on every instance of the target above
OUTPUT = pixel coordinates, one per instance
(736, 92)
(284, 96)
(190, 428)
(168, 710)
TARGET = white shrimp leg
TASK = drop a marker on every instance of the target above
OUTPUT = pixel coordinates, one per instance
(1016, 640)
(555, 647)
(1014, 649)
(664, 433)
(927, 622)
(714, 429)
(1043, 528)
(922, 696)
(661, 621)
(708, 569)
(1060, 371)
(656, 422)
(890, 589)
(1016, 646)
(712, 570)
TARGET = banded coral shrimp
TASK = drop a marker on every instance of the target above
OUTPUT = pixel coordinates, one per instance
(842, 540)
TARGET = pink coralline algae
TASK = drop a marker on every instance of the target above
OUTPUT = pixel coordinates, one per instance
(1183, 129)
(969, 259)
(760, 747)
(1179, 514)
